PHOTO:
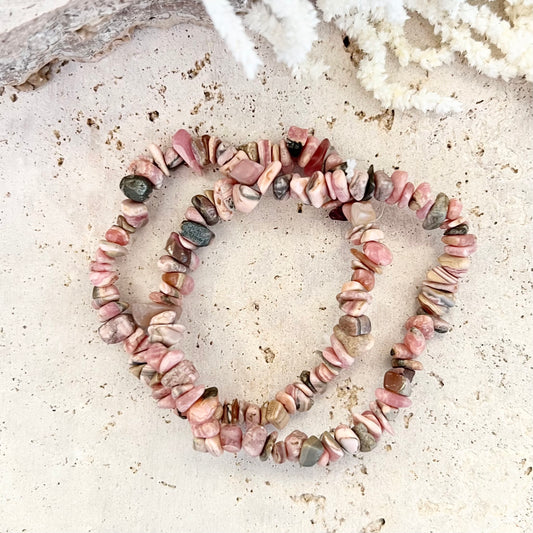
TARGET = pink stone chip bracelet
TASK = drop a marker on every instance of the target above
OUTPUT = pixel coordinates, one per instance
(305, 168)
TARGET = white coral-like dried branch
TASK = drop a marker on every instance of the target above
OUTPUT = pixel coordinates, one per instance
(377, 27)
(231, 29)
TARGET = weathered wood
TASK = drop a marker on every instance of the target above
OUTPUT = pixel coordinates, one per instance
(85, 30)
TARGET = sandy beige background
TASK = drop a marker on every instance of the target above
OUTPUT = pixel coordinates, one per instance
(83, 447)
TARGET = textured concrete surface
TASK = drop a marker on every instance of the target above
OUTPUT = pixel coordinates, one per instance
(83, 447)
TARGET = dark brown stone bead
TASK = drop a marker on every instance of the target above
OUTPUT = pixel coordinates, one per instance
(176, 250)
(370, 185)
(206, 208)
(395, 381)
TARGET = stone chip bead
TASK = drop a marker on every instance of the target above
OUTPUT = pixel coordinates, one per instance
(311, 451)
(415, 341)
(395, 381)
(277, 415)
(231, 437)
(279, 452)
(437, 213)
(206, 208)
(355, 325)
(196, 233)
(333, 448)
(293, 444)
(254, 440)
(117, 329)
(266, 452)
(136, 188)
(281, 186)
(347, 439)
(245, 199)
(384, 186)
(368, 442)
(354, 345)
(378, 253)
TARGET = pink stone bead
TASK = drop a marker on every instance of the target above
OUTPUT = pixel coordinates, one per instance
(269, 174)
(293, 444)
(254, 440)
(179, 390)
(347, 439)
(212, 149)
(170, 360)
(117, 235)
(457, 251)
(167, 402)
(447, 224)
(183, 372)
(227, 168)
(374, 407)
(298, 186)
(354, 307)
(372, 424)
(206, 429)
(287, 401)
(309, 149)
(287, 164)
(447, 287)
(279, 452)
(102, 258)
(188, 285)
(399, 180)
(323, 373)
(231, 437)
(117, 329)
(184, 402)
(401, 351)
(423, 211)
(94, 266)
(247, 172)
(110, 310)
(328, 176)
(103, 279)
(154, 354)
(182, 143)
(193, 215)
(298, 135)
(459, 240)
(132, 342)
(316, 189)
(222, 192)
(104, 295)
(158, 392)
(333, 160)
(343, 356)
(159, 158)
(454, 209)
(324, 459)
(423, 323)
(392, 399)
(407, 193)
(378, 253)
(421, 196)
(144, 167)
(264, 147)
(172, 159)
(340, 185)
(415, 341)
(252, 415)
(213, 446)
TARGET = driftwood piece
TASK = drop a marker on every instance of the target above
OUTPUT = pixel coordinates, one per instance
(85, 30)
